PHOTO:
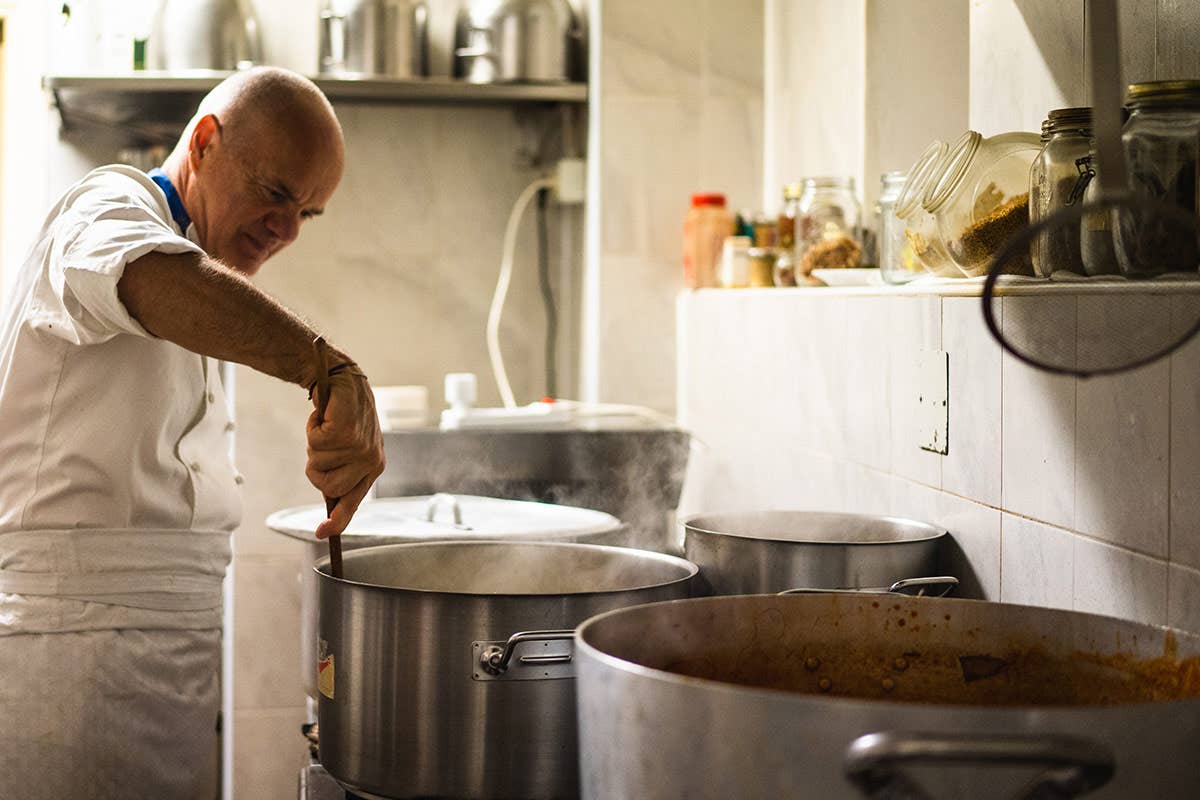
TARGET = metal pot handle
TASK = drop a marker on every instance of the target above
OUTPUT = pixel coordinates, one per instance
(915, 587)
(494, 658)
(1073, 766)
(435, 502)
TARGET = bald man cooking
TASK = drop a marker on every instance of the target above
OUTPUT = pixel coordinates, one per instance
(117, 495)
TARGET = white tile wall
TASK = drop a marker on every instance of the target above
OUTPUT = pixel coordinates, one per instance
(1036, 564)
(680, 111)
(1119, 583)
(1057, 491)
(1026, 58)
(971, 468)
(914, 328)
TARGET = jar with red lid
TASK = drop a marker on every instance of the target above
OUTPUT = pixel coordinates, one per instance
(705, 227)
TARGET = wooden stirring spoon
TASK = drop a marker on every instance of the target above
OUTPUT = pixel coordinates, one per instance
(322, 394)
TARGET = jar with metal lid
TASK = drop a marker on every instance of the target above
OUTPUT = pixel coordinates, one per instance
(1057, 180)
(981, 197)
(786, 224)
(1096, 250)
(897, 263)
(1162, 153)
(828, 225)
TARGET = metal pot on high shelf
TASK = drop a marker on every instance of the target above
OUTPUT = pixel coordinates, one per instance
(840, 696)
(432, 518)
(447, 668)
(753, 552)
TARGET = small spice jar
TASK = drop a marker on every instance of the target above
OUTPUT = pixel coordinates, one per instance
(785, 226)
(762, 267)
(1057, 180)
(735, 263)
(897, 263)
(920, 227)
(1162, 152)
(828, 225)
(981, 197)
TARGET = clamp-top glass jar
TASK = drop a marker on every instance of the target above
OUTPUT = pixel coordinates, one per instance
(920, 227)
(1057, 180)
(827, 235)
(1162, 151)
(981, 197)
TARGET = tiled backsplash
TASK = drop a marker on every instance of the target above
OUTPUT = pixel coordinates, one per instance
(1079, 494)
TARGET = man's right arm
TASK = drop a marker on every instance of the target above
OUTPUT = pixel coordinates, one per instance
(203, 306)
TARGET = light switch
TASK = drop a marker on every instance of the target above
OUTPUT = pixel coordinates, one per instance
(933, 401)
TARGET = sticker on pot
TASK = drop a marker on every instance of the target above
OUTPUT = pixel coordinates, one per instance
(325, 670)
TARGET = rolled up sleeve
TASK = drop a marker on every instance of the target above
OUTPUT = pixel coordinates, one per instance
(91, 242)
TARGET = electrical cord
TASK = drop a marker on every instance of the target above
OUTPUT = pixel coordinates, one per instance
(547, 296)
(496, 311)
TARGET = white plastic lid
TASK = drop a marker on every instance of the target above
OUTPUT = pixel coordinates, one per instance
(408, 519)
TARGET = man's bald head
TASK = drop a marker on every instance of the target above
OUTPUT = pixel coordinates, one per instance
(262, 99)
(263, 152)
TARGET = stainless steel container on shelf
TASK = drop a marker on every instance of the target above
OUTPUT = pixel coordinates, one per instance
(507, 41)
(374, 39)
(447, 668)
(756, 552)
(762, 697)
(439, 517)
(204, 35)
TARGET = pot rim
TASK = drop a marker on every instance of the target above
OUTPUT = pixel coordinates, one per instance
(764, 693)
(321, 567)
(933, 532)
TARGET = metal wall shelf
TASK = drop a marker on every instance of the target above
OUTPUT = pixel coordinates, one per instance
(152, 107)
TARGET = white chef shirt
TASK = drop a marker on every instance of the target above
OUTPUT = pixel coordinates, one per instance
(103, 426)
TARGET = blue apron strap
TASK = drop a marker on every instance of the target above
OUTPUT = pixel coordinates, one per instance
(174, 202)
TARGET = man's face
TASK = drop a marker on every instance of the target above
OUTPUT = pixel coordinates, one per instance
(252, 193)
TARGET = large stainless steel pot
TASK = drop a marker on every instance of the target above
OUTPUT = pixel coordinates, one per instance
(506, 41)
(204, 34)
(447, 668)
(432, 518)
(767, 697)
(758, 552)
(374, 39)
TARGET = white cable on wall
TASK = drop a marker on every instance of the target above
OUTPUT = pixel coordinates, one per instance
(502, 283)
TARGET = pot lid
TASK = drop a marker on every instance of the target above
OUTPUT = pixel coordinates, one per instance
(445, 516)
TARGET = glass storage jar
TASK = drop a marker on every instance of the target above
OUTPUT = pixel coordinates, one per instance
(981, 197)
(827, 235)
(920, 228)
(1162, 140)
(1056, 181)
(897, 263)
(1096, 251)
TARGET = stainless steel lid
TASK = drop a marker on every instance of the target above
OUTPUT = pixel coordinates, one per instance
(813, 527)
(509, 569)
(397, 520)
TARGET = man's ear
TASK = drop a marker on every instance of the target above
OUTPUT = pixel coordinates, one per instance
(206, 132)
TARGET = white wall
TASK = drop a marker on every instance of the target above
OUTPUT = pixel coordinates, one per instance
(679, 100)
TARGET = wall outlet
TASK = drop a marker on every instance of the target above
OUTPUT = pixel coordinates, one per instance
(933, 400)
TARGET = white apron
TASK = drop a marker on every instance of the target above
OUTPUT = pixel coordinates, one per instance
(122, 630)
(117, 496)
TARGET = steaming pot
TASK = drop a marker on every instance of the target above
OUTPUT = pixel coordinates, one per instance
(439, 517)
(766, 552)
(447, 668)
